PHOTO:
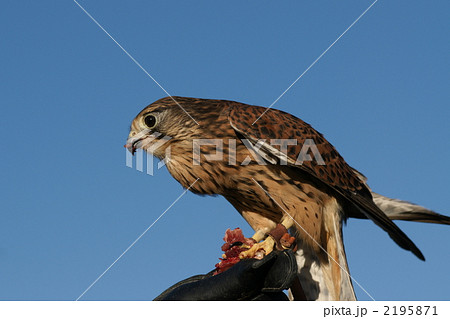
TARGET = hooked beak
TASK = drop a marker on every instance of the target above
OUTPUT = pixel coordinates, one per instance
(133, 142)
(132, 145)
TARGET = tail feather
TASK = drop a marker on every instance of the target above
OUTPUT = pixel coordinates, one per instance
(397, 209)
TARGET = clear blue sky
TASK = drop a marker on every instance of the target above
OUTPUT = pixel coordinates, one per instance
(70, 206)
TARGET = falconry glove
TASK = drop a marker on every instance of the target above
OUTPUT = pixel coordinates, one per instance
(249, 279)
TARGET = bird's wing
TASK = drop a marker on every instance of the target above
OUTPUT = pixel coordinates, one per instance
(335, 173)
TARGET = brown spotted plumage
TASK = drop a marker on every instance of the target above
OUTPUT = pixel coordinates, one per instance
(247, 163)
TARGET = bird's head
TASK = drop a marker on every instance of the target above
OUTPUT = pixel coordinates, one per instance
(158, 123)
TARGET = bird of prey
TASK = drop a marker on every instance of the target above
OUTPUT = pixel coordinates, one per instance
(276, 170)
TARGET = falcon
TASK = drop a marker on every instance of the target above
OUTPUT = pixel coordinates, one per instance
(278, 172)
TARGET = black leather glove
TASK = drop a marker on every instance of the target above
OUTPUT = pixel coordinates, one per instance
(249, 279)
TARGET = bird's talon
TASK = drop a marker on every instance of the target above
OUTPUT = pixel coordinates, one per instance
(259, 250)
(259, 254)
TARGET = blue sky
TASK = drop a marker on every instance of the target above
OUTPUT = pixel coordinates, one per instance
(70, 206)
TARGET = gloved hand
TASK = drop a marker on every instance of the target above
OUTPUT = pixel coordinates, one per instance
(249, 279)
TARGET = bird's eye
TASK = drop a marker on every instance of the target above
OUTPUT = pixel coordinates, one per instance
(150, 121)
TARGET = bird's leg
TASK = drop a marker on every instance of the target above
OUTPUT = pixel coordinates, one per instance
(259, 235)
(287, 221)
(277, 237)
